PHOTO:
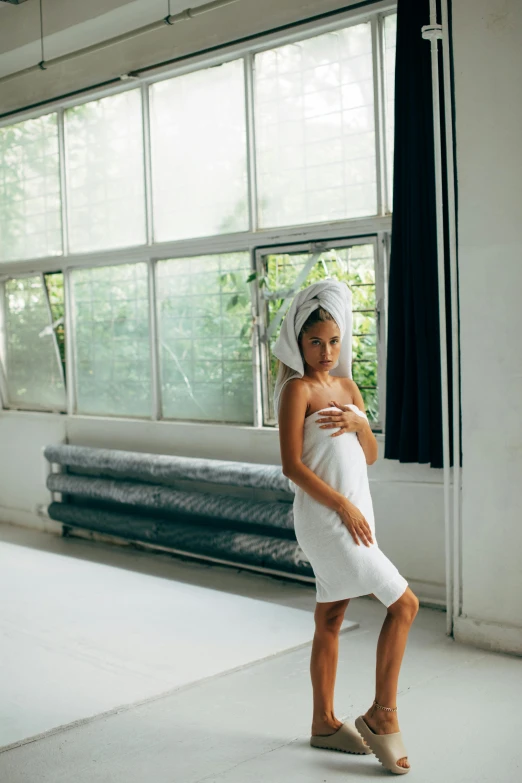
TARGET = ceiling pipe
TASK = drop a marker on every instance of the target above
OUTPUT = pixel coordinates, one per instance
(171, 19)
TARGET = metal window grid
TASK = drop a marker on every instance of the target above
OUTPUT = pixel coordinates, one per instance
(374, 228)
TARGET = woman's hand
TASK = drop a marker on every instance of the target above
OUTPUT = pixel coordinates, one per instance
(346, 419)
(355, 522)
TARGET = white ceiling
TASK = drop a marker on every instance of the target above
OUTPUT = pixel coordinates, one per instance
(70, 25)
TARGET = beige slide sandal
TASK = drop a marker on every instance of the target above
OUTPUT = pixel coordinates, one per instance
(388, 748)
(346, 739)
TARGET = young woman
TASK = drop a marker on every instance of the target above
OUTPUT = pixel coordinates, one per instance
(326, 444)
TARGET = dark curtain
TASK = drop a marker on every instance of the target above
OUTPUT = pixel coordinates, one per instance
(413, 424)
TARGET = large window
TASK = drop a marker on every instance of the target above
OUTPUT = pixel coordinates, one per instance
(315, 136)
(30, 208)
(104, 173)
(204, 337)
(150, 236)
(111, 339)
(32, 358)
(199, 157)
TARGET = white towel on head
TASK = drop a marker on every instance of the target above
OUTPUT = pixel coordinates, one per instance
(336, 297)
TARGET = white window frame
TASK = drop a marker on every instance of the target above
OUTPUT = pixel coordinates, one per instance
(377, 226)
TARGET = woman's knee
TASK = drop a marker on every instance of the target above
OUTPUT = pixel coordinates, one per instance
(329, 616)
(406, 606)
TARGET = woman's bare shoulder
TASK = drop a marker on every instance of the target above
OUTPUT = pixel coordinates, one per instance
(295, 396)
(296, 387)
(348, 383)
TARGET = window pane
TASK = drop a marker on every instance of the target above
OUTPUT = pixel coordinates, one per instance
(364, 374)
(104, 153)
(198, 146)
(30, 204)
(354, 265)
(33, 365)
(111, 319)
(315, 145)
(390, 34)
(204, 325)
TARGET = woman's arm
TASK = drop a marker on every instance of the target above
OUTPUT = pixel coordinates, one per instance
(292, 412)
(366, 437)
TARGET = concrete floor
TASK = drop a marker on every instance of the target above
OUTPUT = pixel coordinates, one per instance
(117, 665)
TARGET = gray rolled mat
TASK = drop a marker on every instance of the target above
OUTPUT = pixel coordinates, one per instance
(161, 467)
(162, 498)
(241, 548)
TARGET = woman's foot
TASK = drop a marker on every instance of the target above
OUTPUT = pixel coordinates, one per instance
(321, 728)
(384, 722)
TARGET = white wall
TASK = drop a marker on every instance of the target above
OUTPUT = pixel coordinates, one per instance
(488, 65)
(408, 499)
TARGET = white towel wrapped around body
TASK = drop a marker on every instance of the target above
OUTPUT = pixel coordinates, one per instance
(342, 568)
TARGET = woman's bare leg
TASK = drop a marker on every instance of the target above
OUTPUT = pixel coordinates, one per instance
(390, 652)
(323, 664)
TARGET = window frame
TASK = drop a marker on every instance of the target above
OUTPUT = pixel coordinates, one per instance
(351, 230)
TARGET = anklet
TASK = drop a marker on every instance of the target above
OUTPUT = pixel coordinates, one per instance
(390, 709)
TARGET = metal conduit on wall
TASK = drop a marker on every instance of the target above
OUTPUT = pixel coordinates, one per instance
(452, 522)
